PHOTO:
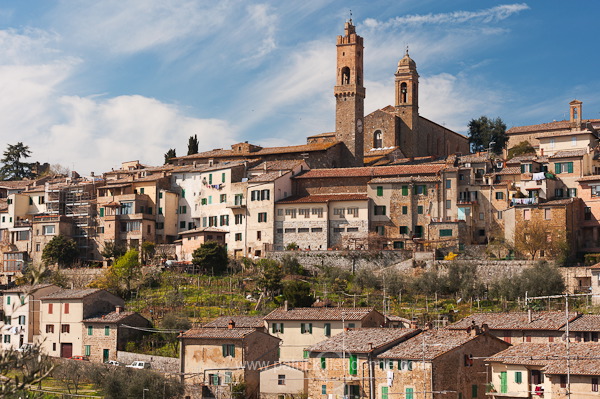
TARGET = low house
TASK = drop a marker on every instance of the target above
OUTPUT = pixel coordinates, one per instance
(216, 361)
(300, 328)
(106, 333)
(399, 322)
(255, 322)
(519, 327)
(193, 239)
(344, 365)
(550, 370)
(584, 329)
(284, 380)
(21, 321)
(62, 318)
(437, 364)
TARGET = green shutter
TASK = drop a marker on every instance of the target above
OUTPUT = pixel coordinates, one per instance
(570, 167)
(404, 210)
(88, 350)
(310, 328)
(323, 363)
(101, 212)
(384, 392)
(223, 177)
(379, 191)
(409, 365)
(518, 377)
(301, 328)
(210, 178)
(182, 193)
(409, 393)
(404, 190)
(224, 348)
(353, 369)
(305, 354)
(273, 328)
(107, 331)
(232, 350)
(323, 389)
(474, 390)
(327, 329)
(503, 382)
(8, 300)
(558, 168)
(90, 330)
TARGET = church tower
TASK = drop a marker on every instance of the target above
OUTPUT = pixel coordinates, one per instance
(407, 103)
(350, 97)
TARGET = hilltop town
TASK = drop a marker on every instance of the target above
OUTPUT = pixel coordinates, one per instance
(389, 190)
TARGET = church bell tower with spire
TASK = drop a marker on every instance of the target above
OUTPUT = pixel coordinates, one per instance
(407, 103)
(350, 97)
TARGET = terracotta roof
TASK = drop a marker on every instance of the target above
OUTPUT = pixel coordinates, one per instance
(203, 230)
(112, 317)
(511, 170)
(268, 177)
(405, 179)
(569, 153)
(437, 342)
(205, 167)
(15, 184)
(302, 365)
(557, 202)
(515, 321)
(276, 165)
(398, 318)
(373, 171)
(218, 333)
(363, 340)
(28, 288)
(72, 294)
(560, 125)
(328, 134)
(474, 158)
(240, 322)
(347, 314)
(586, 322)
(583, 357)
(220, 153)
(523, 158)
(589, 178)
(323, 198)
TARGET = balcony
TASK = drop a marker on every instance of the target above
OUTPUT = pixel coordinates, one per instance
(22, 223)
(466, 202)
(238, 204)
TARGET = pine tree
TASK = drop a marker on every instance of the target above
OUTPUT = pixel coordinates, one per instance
(13, 168)
(193, 145)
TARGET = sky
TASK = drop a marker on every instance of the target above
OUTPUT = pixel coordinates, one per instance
(90, 84)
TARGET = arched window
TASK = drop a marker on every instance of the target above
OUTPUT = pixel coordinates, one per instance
(345, 75)
(403, 93)
(377, 139)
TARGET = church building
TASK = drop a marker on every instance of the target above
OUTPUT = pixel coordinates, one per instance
(380, 137)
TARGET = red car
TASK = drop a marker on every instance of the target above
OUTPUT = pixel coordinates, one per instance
(80, 358)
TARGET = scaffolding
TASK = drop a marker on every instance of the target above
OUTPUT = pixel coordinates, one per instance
(76, 200)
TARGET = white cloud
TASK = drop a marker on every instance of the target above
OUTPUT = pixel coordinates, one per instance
(261, 19)
(100, 134)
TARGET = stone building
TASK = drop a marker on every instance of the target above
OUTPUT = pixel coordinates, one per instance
(21, 314)
(255, 322)
(106, 333)
(300, 328)
(437, 364)
(215, 359)
(284, 380)
(519, 327)
(62, 315)
(550, 370)
(345, 364)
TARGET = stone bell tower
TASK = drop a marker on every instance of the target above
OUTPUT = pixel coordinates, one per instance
(407, 103)
(350, 97)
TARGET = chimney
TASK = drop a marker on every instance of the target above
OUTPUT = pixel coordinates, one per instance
(285, 306)
(529, 315)
(473, 331)
(231, 324)
(413, 324)
(119, 309)
(429, 326)
(541, 151)
(485, 328)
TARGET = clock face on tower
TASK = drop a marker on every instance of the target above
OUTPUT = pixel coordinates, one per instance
(359, 125)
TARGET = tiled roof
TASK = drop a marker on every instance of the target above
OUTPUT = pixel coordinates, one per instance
(276, 165)
(511, 170)
(564, 133)
(560, 125)
(583, 357)
(586, 322)
(373, 171)
(205, 167)
(474, 158)
(28, 288)
(589, 178)
(263, 151)
(328, 134)
(558, 202)
(15, 184)
(523, 158)
(268, 177)
(398, 318)
(72, 294)
(363, 340)
(428, 345)
(302, 365)
(218, 333)
(347, 314)
(203, 230)
(3, 204)
(515, 321)
(112, 317)
(405, 179)
(323, 198)
(569, 153)
(240, 322)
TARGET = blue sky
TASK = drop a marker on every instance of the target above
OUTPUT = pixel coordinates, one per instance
(89, 84)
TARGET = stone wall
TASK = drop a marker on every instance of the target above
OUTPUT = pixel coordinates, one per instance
(158, 363)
